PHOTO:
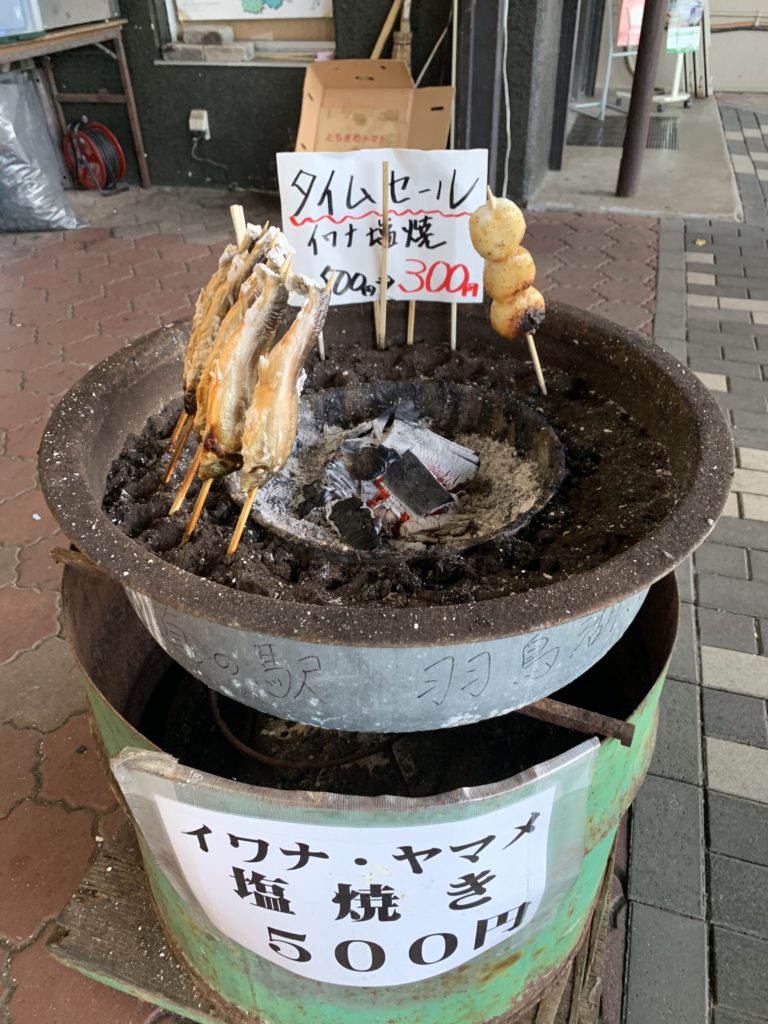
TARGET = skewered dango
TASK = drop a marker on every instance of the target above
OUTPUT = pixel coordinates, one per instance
(497, 228)
(504, 278)
(519, 315)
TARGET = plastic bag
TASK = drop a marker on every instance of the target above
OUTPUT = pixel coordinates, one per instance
(31, 198)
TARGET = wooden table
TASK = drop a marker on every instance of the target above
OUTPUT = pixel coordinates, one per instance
(71, 39)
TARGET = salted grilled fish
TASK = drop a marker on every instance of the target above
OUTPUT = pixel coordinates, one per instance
(272, 418)
(231, 388)
(215, 301)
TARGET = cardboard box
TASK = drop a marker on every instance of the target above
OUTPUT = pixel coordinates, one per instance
(370, 104)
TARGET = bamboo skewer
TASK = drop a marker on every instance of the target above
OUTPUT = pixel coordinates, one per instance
(242, 520)
(178, 501)
(383, 269)
(454, 324)
(177, 430)
(238, 221)
(411, 322)
(181, 440)
(536, 363)
(386, 28)
(197, 510)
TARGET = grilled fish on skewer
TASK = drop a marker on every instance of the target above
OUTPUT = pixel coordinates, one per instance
(272, 418)
(237, 359)
(228, 278)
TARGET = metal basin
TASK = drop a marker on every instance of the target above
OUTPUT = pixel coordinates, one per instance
(379, 668)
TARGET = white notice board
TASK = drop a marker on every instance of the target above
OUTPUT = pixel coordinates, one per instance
(332, 216)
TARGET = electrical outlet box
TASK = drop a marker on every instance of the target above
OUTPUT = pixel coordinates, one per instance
(198, 122)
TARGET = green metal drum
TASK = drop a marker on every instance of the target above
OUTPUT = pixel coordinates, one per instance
(591, 788)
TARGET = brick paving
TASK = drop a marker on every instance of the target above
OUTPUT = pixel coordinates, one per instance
(698, 873)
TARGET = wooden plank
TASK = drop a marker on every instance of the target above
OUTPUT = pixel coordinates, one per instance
(91, 97)
(109, 932)
(63, 39)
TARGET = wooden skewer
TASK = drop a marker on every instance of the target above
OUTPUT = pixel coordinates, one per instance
(176, 431)
(321, 346)
(383, 274)
(178, 501)
(238, 220)
(536, 363)
(180, 442)
(242, 520)
(454, 324)
(491, 197)
(411, 322)
(197, 510)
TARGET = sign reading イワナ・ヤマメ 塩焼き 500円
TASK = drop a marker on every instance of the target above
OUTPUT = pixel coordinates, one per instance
(330, 897)
(332, 215)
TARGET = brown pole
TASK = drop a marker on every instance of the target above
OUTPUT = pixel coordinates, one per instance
(639, 116)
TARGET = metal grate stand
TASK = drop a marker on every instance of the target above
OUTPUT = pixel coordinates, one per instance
(613, 54)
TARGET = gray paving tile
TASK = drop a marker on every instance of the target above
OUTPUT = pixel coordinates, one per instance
(734, 671)
(737, 827)
(745, 597)
(732, 716)
(740, 975)
(759, 563)
(678, 742)
(737, 769)
(745, 438)
(684, 663)
(722, 559)
(748, 533)
(738, 895)
(724, 629)
(754, 403)
(721, 1016)
(667, 847)
(667, 968)
(684, 577)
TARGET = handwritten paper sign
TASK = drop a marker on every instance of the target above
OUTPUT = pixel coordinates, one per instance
(332, 216)
(319, 885)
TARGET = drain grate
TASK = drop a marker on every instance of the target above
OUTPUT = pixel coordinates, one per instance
(588, 131)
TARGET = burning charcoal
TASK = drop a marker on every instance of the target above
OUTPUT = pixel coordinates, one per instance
(355, 524)
(365, 461)
(451, 463)
(313, 497)
(409, 480)
(408, 411)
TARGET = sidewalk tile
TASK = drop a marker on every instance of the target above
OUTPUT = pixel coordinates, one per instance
(755, 507)
(684, 662)
(713, 381)
(666, 867)
(740, 977)
(737, 769)
(753, 458)
(678, 742)
(732, 716)
(734, 671)
(738, 895)
(722, 559)
(663, 988)
(745, 597)
(738, 828)
(724, 629)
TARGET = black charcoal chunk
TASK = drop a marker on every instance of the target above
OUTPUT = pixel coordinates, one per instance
(313, 497)
(367, 462)
(355, 524)
(409, 480)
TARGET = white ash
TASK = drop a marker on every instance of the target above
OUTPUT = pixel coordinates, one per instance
(505, 487)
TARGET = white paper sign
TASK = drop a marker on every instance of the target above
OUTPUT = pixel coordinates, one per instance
(238, 10)
(332, 215)
(365, 906)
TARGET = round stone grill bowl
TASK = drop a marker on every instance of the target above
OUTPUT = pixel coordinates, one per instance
(378, 668)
